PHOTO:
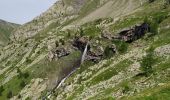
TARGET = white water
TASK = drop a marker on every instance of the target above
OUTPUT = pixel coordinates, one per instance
(84, 54)
(63, 80)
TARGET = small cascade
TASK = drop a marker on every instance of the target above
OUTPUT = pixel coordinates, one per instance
(84, 54)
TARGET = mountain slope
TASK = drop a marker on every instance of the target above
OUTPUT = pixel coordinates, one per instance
(5, 31)
(127, 49)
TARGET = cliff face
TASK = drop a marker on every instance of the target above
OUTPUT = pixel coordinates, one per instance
(127, 56)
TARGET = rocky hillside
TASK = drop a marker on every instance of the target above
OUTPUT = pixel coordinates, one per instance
(6, 29)
(88, 50)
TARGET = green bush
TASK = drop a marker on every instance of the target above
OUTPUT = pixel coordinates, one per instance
(56, 43)
(22, 84)
(20, 74)
(159, 17)
(62, 41)
(154, 28)
(121, 46)
(152, 24)
(108, 53)
(147, 62)
(26, 75)
(155, 20)
(28, 61)
(125, 86)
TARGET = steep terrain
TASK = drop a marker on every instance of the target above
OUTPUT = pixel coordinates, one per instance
(125, 47)
(6, 29)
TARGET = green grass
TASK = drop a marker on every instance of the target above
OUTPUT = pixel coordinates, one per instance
(163, 38)
(14, 86)
(125, 23)
(43, 33)
(88, 7)
(76, 93)
(114, 70)
(156, 93)
(91, 30)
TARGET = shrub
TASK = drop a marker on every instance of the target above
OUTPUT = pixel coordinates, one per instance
(56, 43)
(125, 86)
(159, 17)
(62, 41)
(26, 75)
(108, 53)
(147, 62)
(9, 94)
(154, 28)
(22, 84)
(121, 46)
(20, 74)
(28, 60)
(152, 24)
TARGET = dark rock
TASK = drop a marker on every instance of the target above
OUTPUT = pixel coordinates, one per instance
(80, 43)
(95, 55)
(133, 34)
(61, 52)
(58, 53)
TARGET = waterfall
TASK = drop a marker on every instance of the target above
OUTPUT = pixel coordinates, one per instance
(84, 54)
(63, 80)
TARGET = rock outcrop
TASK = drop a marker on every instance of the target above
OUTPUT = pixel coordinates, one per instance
(134, 33)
